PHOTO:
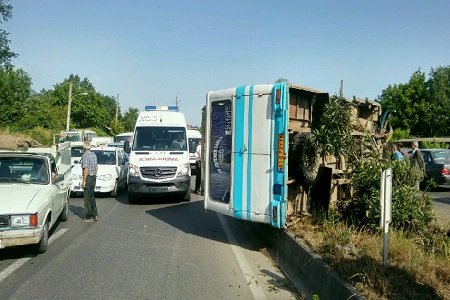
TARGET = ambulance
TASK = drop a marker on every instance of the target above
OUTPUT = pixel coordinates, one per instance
(159, 154)
(247, 134)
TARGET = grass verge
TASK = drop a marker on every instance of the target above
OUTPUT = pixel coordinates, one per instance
(418, 267)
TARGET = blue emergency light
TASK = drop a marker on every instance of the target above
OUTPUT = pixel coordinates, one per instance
(160, 107)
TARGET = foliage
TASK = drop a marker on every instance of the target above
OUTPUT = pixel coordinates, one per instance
(281, 79)
(5, 52)
(421, 106)
(419, 262)
(129, 119)
(15, 87)
(42, 135)
(399, 134)
(434, 144)
(333, 137)
(411, 209)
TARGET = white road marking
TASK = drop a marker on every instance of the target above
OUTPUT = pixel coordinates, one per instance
(18, 263)
(256, 290)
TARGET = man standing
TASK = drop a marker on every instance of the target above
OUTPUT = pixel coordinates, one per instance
(417, 156)
(198, 168)
(89, 170)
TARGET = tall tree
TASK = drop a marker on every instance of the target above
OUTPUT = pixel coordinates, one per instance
(15, 87)
(439, 93)
(5, 52)
(129, 119)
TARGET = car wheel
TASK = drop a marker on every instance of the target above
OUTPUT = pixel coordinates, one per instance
(114, 191)
(65, 212)
(41, 247)
(187, 196)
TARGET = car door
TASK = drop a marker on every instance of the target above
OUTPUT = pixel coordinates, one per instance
(123, 166)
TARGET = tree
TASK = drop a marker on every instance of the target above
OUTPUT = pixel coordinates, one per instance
(129, 119)
(5, 52)
(15, 87)
(439, 94)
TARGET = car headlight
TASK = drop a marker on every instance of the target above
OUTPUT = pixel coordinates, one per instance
(24, 220)
(185, 169)
(105, 177)
(133, 170)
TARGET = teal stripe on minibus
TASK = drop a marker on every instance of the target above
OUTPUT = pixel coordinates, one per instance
(279, 185)
(249, 156)
(238, 151)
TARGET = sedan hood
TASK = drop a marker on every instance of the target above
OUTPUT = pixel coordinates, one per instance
(18, 198)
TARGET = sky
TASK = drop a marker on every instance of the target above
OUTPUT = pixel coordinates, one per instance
(155, 52)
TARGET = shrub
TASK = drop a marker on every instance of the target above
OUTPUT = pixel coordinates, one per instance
(411, 209)
(42, 135)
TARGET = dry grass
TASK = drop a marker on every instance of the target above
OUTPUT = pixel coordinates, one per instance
(357, 254)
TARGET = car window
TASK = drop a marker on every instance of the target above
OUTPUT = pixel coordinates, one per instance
(105, 157)
(442, 156)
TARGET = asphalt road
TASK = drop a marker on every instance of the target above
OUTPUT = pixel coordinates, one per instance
(159, 249)
(441, 205)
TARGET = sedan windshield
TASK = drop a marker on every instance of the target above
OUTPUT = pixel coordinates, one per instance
(105, 157)
(24, 169)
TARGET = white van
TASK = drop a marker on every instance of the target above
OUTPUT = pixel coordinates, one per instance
(194, 138)
(159, 155)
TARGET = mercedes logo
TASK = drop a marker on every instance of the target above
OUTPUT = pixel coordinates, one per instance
(158, 172)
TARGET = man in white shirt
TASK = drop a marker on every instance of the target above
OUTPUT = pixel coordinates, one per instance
(198, 163)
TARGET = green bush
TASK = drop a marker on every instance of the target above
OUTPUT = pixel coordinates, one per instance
(42, 135)
(411, 209)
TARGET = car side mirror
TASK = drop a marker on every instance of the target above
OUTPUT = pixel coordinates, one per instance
(58, 178)
(126, 147)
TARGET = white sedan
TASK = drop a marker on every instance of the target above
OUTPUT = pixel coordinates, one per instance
(112, 171)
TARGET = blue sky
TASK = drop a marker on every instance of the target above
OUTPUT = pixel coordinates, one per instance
(150, 52)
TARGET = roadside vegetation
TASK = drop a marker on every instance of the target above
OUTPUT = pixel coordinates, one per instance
(348, 235)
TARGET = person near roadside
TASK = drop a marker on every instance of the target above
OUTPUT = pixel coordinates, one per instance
(403, 151)
(417, 157)
(198, 175)
(89, 170)
(395, 154)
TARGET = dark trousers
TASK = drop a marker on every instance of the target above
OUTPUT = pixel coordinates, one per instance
(89, 197)
(198, 177)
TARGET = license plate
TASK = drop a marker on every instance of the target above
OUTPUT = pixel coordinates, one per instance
(280, 160)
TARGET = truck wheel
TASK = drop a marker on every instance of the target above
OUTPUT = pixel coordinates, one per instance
(187, 196)
(41, 247)
(65, 212)
(116, 187)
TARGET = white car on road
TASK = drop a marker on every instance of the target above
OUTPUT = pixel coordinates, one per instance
(112, 171)
(34, 193)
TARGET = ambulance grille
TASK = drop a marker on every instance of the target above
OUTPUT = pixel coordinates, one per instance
(158, 172)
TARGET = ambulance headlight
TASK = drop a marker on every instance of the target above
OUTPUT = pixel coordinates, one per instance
(184, 169)
(133, 170)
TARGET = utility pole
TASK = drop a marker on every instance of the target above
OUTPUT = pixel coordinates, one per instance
(117, 108)
(69, 104)
(341, 89)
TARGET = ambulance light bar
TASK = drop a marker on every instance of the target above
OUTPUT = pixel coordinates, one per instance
(160, 107)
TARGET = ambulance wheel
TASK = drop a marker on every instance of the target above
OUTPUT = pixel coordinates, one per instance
(187, 196)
